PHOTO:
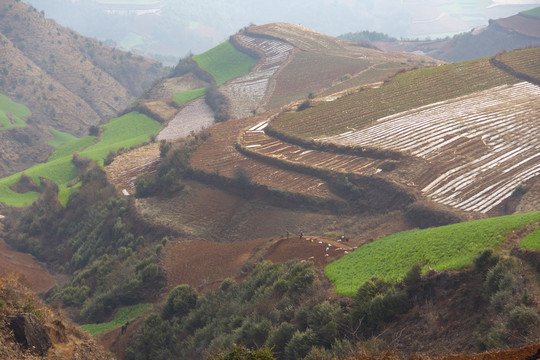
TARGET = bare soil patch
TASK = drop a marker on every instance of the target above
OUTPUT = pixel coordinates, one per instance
(35, 274)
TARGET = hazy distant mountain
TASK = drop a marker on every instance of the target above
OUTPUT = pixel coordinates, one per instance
(174, 28)
(517, 31)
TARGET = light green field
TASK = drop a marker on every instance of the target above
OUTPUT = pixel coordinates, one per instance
(532, 241)
(447, 247)
(123, 132)
(533, 12)
(185, 96)
(60, 138)
(124, 315)
(18, 113)
(224, 62)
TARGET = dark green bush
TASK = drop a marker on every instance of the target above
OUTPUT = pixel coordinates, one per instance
(181, 300)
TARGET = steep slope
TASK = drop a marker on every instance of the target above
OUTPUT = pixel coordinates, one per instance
(67, 81)
(31, 330)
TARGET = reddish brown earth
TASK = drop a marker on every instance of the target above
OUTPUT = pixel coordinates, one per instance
(523, 24)
(35, 274)
(204, 264)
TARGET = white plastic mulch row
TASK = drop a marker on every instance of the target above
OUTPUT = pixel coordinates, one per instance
(505, 121)
(195, 116)
(249, 90)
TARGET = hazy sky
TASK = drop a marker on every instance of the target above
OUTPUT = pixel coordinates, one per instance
(176, 27)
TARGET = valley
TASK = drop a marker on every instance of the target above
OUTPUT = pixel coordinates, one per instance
(279, 215)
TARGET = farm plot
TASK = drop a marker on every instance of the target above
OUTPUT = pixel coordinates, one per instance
(255, 140)
(125, 168)
(415, 88)
(297, 81)
(524, 61)
(488, 143)
(218, 155)
(195, 116)
(247, 92)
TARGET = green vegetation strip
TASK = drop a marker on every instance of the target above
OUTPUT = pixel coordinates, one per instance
(12, 114)
(123, 132)
(447, 247)
(124, 315)
(60, 138)
(533, 12)
(185, 96)
(224, 62)
(532, 241)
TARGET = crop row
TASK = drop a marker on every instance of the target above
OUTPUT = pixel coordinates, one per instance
(525, 61)
(195, 116)
(489, 142)
(248, 91)
(255, 140)
(218, 156)
(414, 88)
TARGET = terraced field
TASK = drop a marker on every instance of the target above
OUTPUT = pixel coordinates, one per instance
(247, 93)
(523, 61)
(218, 155)
(482, 145)
(195, 116)
(415, 88)
(255, 140)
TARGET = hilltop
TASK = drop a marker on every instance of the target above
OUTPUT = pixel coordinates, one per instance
(68, 82)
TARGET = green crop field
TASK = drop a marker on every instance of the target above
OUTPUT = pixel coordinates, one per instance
(224, 62)
(60, 138)
(125, 314)
(406, 91)
(185, 96)
(447, 247)
(532, 241)
(533, 12)
(123, 132)
(12, 114)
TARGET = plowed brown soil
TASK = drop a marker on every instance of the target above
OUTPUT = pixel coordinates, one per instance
(35, 274)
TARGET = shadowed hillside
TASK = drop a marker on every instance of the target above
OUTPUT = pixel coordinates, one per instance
(68, 82)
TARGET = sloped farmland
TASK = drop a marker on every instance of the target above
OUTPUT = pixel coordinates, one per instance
(194, 117)
(219, 156)
(247, 93)
(480, 146)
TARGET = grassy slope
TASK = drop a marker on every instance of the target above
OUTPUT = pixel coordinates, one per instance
(124, 315)
(18, 113)
(123, 132)
(533, 12)
(448, 247)
(224, 62)
(185, 96)
(60, 138)
(532, 241)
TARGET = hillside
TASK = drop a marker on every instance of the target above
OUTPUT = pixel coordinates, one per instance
(318, 158)
(40, 331)
(67, 81)
(515, 32)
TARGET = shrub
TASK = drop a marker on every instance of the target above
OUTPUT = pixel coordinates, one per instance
(145, 185)
(181, 300)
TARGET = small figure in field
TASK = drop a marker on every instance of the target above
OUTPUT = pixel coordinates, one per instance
(301, 234)
(287, 234)
(124, 327)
